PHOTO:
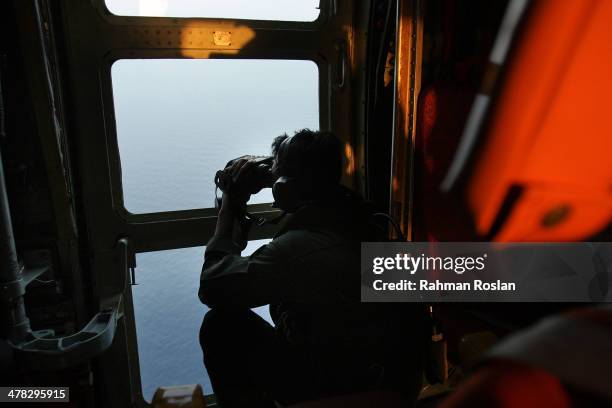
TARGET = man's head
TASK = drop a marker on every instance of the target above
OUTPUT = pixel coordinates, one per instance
(311, 159)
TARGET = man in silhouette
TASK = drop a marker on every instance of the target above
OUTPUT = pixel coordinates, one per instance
(325, 341)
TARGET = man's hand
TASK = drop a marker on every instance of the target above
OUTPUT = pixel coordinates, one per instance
(233, 203)
(244, 183)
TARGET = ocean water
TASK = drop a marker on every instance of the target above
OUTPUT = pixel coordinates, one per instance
(178, 121)
(168, 317)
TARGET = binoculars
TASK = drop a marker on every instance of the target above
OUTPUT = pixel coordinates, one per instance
(261, 176)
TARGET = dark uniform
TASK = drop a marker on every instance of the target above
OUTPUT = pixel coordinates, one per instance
(325, 342)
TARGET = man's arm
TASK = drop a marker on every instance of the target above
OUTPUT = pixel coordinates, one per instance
(298, 266)
(224, 279)
(228, 231)
(231, 280)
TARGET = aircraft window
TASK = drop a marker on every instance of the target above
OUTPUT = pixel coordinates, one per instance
(277, 10)
(180, 120)
(168, 316)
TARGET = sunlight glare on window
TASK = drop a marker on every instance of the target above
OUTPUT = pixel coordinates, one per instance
(277, 10)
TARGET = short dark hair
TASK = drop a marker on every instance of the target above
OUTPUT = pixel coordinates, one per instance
(312, 155)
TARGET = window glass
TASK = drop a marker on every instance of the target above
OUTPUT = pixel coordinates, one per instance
(180, 120)
(279, 10)
(168, 316)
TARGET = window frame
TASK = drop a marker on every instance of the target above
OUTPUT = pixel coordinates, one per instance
(93, 40)
(94, 43)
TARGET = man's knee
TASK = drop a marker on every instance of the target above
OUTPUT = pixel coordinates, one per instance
(213, 329)
(229, 337)
(223, 327)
